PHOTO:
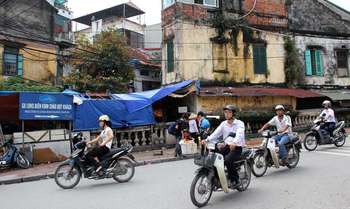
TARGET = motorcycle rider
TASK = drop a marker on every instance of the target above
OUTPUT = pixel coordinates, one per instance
(233, 145)
(283, 123)
(329, 117)
(106, 138)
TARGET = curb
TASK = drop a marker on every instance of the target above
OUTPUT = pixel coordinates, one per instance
(52, 175)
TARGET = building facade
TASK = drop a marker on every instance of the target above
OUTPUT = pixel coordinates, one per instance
(30, 42)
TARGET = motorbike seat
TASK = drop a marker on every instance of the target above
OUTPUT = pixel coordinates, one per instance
(112, 152)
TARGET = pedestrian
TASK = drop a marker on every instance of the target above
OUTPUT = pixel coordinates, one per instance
(181, 125)
(193, 127)
(203, 124)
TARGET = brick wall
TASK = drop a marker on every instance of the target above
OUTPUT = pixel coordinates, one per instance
(183, 11)
(267, 13)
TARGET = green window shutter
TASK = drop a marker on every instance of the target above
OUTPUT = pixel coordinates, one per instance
(170, 55)
(308, 64)
(20, 65)
(319, 63)
(260, 59)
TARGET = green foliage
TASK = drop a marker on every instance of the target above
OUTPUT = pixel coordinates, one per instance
(19, 84)
(292, 65)
(101, 65)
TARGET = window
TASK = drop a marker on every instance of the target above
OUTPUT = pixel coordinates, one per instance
(209, 3)
(342, 62)
(212, 3)
(170, 55)
(144, 72)
(260, 59)
(167, 3)
(13, 62)
(314, 62)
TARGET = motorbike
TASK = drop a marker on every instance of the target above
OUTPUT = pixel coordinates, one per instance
(319, 136)
(212, 174)
(13, 157)
(267, 154)
(117, 164)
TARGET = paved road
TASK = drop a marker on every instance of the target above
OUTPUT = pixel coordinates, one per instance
(321, 181)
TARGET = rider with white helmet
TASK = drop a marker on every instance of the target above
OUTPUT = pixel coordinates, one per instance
(283, 123)
(328, 115)
(105, 142)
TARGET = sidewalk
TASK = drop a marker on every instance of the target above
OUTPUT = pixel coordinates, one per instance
(45, 171)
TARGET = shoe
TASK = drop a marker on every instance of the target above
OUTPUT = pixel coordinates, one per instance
(284, 162)
(235, 184)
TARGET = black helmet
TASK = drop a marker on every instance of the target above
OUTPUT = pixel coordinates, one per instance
(231, 108)
(200, 113)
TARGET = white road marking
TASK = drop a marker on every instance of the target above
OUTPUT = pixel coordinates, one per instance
(334, 153)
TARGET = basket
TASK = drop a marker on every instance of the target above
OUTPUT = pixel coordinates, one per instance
(189, 149)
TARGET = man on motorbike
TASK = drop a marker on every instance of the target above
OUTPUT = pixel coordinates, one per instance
(106, 138)
(328, 115)
(283, 123)
(233, 145)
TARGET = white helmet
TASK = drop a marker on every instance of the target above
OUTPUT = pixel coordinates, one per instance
(280, 107)
(104, 118)
(327, 103)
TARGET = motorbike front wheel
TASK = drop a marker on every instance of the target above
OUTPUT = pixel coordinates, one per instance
(66, 176)
(341, 139)
(22, 161)
(201, 190)
(259, 167)
(124, 171)
(310, 142)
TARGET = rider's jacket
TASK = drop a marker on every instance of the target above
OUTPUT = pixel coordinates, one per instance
(224, 131)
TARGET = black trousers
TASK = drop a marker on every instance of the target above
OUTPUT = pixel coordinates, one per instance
(329, 126)
(98, 152)
(231, 156)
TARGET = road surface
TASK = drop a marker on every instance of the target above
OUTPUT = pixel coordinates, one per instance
(321, 181)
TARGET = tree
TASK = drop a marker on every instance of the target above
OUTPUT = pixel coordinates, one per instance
(292, 63)
(20, 84)
(101, 65)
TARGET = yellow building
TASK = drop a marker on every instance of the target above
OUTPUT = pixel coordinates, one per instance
(231, 59)
(30, 60)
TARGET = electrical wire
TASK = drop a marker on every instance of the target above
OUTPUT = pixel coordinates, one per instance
(248, 13)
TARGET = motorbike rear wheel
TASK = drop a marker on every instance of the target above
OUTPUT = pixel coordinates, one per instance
(310, 142)
(245, 181)
(201, 190)
(259, 166)
(22, 161)
(65, 173)
(127, 168)
(294, 160)
(341, 140)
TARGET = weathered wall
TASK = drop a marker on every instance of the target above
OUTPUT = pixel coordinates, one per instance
(1, 60)
(330, 63)
(213, 105)
(36, 22)
(312, 15)
(197, 57)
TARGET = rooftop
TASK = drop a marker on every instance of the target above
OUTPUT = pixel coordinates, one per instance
(123, 10)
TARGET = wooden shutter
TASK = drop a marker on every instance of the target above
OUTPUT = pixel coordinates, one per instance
(319, 63)
(260, 59)
(170, 55)
(308, 64)
(20, 65)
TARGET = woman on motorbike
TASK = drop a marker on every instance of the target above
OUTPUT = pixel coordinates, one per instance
(106, 138)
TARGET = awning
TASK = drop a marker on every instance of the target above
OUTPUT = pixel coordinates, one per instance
(336, 95)
(257, 92)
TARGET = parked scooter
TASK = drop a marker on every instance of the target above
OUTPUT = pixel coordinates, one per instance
(117, 164)
(267, 154)
(319, 136)
(212, 174)
(13, 157)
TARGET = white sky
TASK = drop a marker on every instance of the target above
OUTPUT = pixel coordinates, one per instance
(151, 7)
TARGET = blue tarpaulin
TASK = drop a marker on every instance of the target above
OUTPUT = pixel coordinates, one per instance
(125, 110)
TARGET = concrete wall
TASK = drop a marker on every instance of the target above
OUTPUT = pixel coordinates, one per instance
(213, 105)
(329, 46)
(312, 15)
(153, 36)
(197, 57)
